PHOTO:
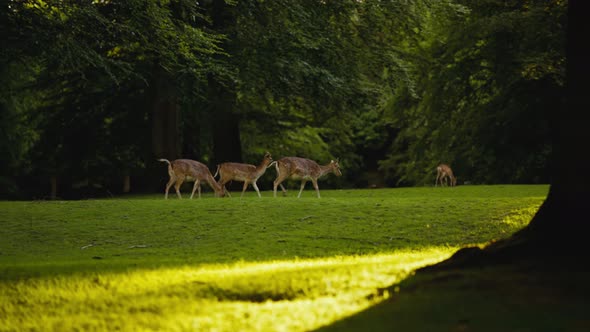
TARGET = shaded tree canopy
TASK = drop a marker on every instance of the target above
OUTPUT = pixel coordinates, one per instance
(97, 90)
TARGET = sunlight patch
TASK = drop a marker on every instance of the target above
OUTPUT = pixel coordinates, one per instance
(520, 217)
(290, 295)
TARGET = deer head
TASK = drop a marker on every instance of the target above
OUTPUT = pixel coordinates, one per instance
(335, 165)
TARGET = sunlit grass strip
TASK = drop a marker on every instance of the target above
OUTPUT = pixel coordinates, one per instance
(291, 295)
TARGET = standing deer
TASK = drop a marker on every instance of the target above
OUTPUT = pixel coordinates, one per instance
(302, 169)
(190, 170)
(242, 172)
(444, 172)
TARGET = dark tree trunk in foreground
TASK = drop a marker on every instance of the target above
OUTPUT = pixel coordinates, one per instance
(565, 208)
(559, 227)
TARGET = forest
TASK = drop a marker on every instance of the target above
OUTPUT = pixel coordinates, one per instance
(94, 92)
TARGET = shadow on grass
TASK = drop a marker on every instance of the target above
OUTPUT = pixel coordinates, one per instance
(529, 297)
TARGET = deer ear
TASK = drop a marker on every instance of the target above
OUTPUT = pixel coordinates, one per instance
(332, 161)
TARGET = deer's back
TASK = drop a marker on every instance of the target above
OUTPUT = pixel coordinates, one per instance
(299, 167)
(192, 168)
(445, 169)
(238, 171)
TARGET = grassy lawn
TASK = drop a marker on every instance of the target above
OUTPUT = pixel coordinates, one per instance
(250, 264)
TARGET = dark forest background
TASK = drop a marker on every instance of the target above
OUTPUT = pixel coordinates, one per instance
(93, 92)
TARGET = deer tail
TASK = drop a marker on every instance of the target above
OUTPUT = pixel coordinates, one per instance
(170, 170)
(278, 168)
(276, 163)
(165, 161)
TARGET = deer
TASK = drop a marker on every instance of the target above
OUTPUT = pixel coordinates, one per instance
(180, 170)
(246, 173)
(302, 169)
(444, 172)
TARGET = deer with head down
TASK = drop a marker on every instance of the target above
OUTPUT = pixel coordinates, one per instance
(444, 172)
(302, 169)
(246, 173)
(180, 170)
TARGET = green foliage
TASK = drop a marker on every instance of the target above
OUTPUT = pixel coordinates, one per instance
(390, 87)
(96, 61)
(495, 71)
(322, 67)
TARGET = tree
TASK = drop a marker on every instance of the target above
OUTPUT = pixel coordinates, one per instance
(312, 75)
(486, 76)
(107, 77)
(558, 227)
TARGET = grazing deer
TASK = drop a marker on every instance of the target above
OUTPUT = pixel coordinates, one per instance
(444, 172)
(302, 169)
(246, 173)
(190, 170)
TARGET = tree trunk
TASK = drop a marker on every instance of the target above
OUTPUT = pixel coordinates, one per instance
(165, 116)
(126, 184)
(558, 227)
(222, 92)
(563, 215)
(53, 182)
(565, 208)
(226, 130)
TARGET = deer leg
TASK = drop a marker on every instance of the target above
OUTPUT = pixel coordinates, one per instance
(244, 188)
(256, 188)
(301, 189)
(179, 182)
(168, 185)
(224, 190)
(277, 182)
(315, 185)
(441, 180)
(195, 186)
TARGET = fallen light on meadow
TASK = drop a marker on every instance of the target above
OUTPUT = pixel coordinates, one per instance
(290, 295)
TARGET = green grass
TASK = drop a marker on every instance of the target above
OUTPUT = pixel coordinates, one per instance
(143, 263)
